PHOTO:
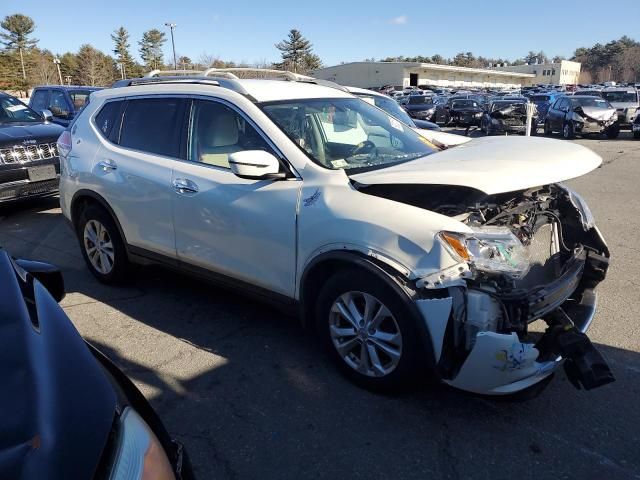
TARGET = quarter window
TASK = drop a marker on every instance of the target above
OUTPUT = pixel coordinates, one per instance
(106, 118)
(153, 125)
(217, 131)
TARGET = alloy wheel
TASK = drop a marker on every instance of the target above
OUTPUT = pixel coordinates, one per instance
(365, 334)
(98, 246)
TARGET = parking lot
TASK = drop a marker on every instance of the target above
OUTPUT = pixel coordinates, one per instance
(251, 395)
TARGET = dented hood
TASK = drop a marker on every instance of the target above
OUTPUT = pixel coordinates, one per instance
(492, 165)
(597, 113)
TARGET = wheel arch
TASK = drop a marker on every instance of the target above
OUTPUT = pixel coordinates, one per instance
(83, 198)
(326, 264)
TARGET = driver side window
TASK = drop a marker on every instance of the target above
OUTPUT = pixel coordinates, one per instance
(58, 104)
(217, 131)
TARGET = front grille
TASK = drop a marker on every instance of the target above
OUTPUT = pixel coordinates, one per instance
(20, 154)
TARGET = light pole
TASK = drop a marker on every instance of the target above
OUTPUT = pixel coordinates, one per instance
(57, 62)
(172, 26)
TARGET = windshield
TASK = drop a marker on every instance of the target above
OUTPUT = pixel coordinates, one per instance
(540, 98)
(13, 110)
(465, 104)
(621, 97)
(347, 133)
(389, 106)
(420, 100)
(589, 102)
(503, 105)
(590, 93)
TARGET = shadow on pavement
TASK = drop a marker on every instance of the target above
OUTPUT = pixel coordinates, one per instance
(253, 396)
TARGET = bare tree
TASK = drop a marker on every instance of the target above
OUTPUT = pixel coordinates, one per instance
(43, 71)
(94, 67)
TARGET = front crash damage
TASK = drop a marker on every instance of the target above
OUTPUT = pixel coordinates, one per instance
(510, 314)
(509, 118)
(594, 120)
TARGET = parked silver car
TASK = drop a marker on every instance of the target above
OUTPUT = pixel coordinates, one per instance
(625, 100)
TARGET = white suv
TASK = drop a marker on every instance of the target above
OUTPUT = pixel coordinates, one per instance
(406, 255)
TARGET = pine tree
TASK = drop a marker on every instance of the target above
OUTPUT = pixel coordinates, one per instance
(120, 38)
(297, 53)
(15, 37)
(151, 48)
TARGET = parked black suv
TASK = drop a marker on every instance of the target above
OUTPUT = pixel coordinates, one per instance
(29, 164)
(64, 103)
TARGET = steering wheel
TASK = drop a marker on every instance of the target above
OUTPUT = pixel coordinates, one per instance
(362, 148)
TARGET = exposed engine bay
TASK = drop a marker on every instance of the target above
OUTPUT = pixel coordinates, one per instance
(533, 255)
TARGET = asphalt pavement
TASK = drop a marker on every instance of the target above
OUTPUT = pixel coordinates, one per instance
(251, 394)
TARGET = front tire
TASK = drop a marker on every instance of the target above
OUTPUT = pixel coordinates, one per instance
(102, 246)
(369, 331)
(568, 132)
(547, 128)
(613, 132)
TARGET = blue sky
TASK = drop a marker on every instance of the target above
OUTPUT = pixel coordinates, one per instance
(339, 30)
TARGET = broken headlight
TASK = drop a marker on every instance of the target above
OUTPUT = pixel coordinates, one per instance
(489, 250)
(586, 217)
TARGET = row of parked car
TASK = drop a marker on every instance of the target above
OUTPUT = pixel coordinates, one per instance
(590, 111)
(384, 238)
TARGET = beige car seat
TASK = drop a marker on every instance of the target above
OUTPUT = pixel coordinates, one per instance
(217, 139)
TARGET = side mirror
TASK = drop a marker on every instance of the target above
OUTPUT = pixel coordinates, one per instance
(47, 274)
(255, 165)
(47, 115)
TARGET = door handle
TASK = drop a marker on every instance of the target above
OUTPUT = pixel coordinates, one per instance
(107, 165)
(184, 186)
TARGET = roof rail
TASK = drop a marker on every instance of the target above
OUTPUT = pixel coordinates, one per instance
(250, 72)
(184, 73)
(228, 83)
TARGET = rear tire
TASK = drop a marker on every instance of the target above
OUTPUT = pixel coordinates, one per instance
(636, 135)
(102, 246)
(375, 320)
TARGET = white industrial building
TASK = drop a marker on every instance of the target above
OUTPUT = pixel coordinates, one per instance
(404, 74)
(561, 73)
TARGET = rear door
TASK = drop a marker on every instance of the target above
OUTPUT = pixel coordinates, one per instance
(133, 169)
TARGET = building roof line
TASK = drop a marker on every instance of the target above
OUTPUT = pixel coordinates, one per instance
(435, 66)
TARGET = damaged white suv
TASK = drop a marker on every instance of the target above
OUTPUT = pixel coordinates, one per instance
(407, 256)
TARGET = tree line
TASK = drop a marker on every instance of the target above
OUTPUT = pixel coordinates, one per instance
(23, 64)
(618, 60)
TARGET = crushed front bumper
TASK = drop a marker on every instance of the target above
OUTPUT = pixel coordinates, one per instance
(506, 363)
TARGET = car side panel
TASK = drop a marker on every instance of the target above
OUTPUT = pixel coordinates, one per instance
(139, 191)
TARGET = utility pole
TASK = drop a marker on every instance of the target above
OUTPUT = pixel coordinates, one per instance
(172, 26)
(56, 60)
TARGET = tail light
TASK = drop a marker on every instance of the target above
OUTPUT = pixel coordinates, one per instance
(64, 144)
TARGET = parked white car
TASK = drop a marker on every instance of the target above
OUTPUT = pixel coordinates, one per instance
(406, 257)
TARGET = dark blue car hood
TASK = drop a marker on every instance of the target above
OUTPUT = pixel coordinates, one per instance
(15, 133)
(57, 404)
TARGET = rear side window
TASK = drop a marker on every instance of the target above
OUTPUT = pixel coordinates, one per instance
(39, 100)
(153, 125)
(106, 118)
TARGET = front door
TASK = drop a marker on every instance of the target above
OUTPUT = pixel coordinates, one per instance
(245, 229)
